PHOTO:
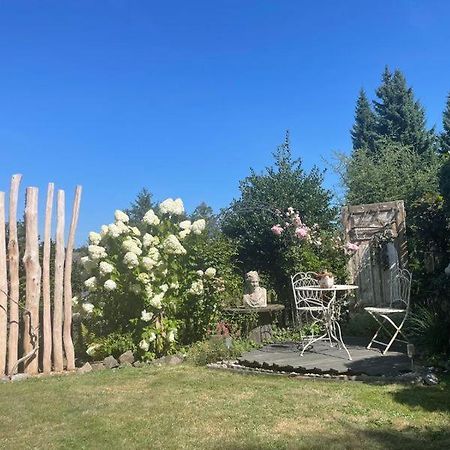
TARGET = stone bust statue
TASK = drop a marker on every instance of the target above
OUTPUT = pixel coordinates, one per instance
(255, 296)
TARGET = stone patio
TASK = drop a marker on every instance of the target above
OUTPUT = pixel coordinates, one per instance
(323, 359)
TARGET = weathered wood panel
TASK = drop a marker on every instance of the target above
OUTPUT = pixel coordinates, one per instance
(363, 225)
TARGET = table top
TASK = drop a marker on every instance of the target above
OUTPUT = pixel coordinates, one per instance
(336, 287)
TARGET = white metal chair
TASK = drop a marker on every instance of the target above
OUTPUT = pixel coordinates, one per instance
(400, 291)
(310, 304)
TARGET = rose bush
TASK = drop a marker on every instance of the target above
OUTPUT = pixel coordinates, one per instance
(149, 284)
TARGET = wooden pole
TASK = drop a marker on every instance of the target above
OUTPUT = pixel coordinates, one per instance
(68, 343)
(3, 288)
(58, 287)
(33, 282)
(47, 325)
(13, 258)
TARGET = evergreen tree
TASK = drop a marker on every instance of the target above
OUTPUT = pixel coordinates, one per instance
(140, 206)
(445, 136)
(364, 126)
(399, 116)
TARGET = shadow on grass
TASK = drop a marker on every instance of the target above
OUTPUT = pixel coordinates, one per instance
(353, 438)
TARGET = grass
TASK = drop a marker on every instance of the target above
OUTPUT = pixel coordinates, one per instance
(190, 407)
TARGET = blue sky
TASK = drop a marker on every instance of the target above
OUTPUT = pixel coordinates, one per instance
(184, 97)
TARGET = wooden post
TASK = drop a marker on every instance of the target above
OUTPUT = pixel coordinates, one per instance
(13, 257)
(33, 282)
(47, 325)
(68, 343)
(3, 288)
(58, 288)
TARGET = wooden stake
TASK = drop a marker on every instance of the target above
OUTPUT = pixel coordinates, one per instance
(68, 343)
(33, 281)
(58, 289)
(3, 288)
(47, 325)
(13, 257)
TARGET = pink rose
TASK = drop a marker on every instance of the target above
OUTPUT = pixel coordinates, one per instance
(301, 232)
(277, 229)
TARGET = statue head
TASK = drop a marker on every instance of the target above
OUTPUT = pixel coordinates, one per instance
(252, 279)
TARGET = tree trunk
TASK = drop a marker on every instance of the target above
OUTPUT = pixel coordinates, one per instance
(13, 257)
(33, 281)
(47, 326)
(68, 343)
(3, 288)
(58, 290)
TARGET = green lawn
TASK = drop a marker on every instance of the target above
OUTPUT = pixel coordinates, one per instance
(188, 407)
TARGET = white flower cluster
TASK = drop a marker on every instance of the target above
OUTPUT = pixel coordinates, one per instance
(198, 226)
(149, 241)
(105, 268)
(146, 316)
(91, 283)
(94, 238)
(131, 260)
(196, 288)
(132, 245)
(173, 246)
(172, 207)
(110, 285)
(210, 272)
(120, 216)
(156, 300)
(151, 218)
(97, 252)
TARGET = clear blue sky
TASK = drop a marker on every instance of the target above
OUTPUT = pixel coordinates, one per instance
(183, 97)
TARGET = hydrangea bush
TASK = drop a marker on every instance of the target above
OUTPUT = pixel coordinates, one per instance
(149, 283)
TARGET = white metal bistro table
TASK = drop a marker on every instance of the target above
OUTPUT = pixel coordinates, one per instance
(331, 310)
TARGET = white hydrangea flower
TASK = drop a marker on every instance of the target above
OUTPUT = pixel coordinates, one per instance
(121, 216)
(184, 233)
(130, 245)
(148, 290)
(131, 260)
(114, 230)
(152, 337)
(105, 268)
(146, 316)
(173, 246)
(97, 252)
(200, 273)
(164, 288)
(198, 226)
(156, 300)
(210, 272)
(143, 278)
(151, 218)
(75, 300)
(172, 207)
(104, 230)
(88, 307)
(154, 254)
(171, 336)
(123, 229)
(148, 263)
(110, 285)
(91, 283)
(175, 285)
(196, 288)
(148, 240)
(94, 238)
(144, 345)
(135, 231)
(185, 225)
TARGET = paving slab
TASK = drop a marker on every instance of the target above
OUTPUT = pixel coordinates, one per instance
(322, 359)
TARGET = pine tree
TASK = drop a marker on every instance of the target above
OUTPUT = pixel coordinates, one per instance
(445, 136)
(140, 206)
(399, 116)
(364, 126)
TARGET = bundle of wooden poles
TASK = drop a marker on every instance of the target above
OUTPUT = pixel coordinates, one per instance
(20, 311)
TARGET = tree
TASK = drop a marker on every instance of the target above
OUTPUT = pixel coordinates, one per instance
(445, 136)
(263, 203)
(399, 116)
(364, 126)
(140, 206)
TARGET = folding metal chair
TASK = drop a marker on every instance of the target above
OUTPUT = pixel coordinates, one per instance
(310, 304)
(391, 319)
